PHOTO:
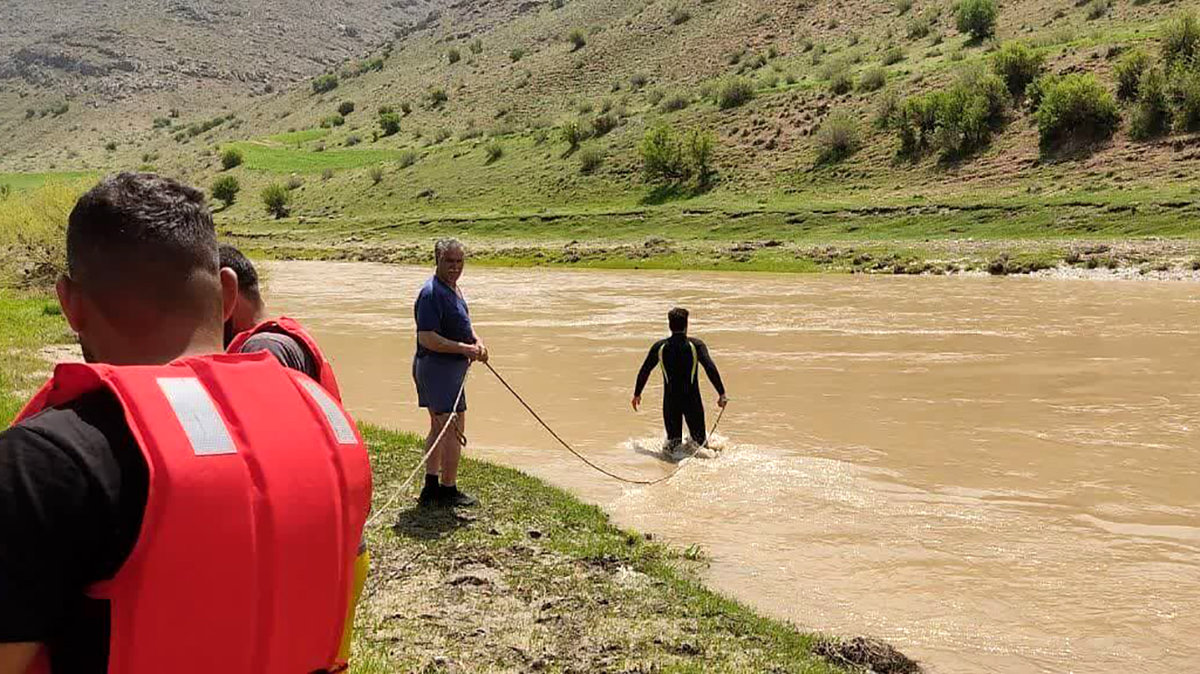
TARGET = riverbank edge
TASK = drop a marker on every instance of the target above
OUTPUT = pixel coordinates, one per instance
(534, 580)
(1156, 259)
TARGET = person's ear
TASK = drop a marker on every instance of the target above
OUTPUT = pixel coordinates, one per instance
(70, 300)
(229, 292)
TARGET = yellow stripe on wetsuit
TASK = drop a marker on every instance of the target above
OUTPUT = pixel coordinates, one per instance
(662, 364)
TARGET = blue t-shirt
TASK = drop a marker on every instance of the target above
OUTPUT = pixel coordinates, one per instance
(442, 310)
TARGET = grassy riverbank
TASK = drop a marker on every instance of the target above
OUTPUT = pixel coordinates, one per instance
(534, 580)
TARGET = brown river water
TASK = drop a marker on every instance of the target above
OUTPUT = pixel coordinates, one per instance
(996, 475)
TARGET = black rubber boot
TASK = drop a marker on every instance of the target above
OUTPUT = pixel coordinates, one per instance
(431, 493)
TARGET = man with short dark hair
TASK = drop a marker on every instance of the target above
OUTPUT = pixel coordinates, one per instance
(680, 358)
(249, 330)
(446, 346)
(154, 514)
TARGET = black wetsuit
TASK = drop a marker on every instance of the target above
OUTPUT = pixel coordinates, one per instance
(681, 360)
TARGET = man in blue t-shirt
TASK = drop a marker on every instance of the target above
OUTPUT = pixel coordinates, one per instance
(446, 345)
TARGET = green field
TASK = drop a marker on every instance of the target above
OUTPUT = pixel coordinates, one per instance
(28, 181)
(278, 159)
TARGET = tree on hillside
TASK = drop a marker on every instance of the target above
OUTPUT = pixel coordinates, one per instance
(976, 18)
(276, 198)
(389, 123)
(325, 83)
(226, 189)
(578, 39)
(346, 108)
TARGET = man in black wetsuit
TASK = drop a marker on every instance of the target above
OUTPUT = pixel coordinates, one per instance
(680, 358)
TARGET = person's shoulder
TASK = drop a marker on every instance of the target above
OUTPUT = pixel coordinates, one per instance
(428, 288)
(82, 430)
(697, 342)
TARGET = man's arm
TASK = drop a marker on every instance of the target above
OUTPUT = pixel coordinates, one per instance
(435, 342)
(648, 366)
(289, 352)
(710, 368)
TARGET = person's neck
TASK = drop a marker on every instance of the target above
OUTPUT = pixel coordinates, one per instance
(164, 347)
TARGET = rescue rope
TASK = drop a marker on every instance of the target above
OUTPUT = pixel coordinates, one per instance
(583, 458)
(445, 427)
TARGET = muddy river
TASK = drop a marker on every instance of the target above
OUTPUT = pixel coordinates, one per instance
(997, 475)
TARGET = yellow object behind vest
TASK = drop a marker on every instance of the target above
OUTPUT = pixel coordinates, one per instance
(362, 565)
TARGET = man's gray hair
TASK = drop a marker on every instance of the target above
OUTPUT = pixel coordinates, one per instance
(443, 245)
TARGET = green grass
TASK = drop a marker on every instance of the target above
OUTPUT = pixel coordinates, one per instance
(298, 137)
(27, 323)
(553, 585)
(275, 159)
(28, 181)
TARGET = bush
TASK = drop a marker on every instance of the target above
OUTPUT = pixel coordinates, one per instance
(226, 188)
(655, 96)
(887, 109)
(902, 6)
(352, 140)
(231, 158)
(638, 81)
(294, 182)
(405, 108)
(516, 54)
(590, 160)
(733, 92)
(578, 39)
(955, 121)
(1075, 108)
(1017, 65)
(389, 123)
(1152, 114)
(680, 16)
(837, 138)
(376, 174)
(407, 158)
(437, 97)
(1129, 73)
(668, 157)
(476, 46)
(325, 83)
(602, 124)
(1181, 39)
(345, 108)
(1036, 91)
(1098, 8)
(159, 122)
(332, 121)
(494, 151)
(675, 102)
(276, 199)
(840, 80)
(327, 175)
(918, 28)
(572, 133)
(892, 55)
(873, 79)
(1185, 89)
(454, 55)
(33, 233)
(976, 18)
(111, 146)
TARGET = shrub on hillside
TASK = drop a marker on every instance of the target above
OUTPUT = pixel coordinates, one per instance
(1075, 108)
(454, 55)
(1185, 89)
(1181, 39)
(407, 158)
(590, 160)
(33, 233)
(1152, 114)
(294, 182)
(494, 151)
(872, 79)
(976, 18)
(405, 108)
(226, 189)
(573, 133)
(837, 138)
(671, 157)
(437, 97)
(1036, 91)
(840, 80)
(332, 121)
(1097, 9)
(679, 15)
(275, 198)
(345, 108)
(675, 102)
(1017, 65)
(516, 54)
(602, 124)
(1129, 71)
(325, 83)
(389, 123)
(892, 55)
(655, 96)
(955, 121)
(887, 109)
(918, 27)
(733, 92)
(375, 173)
(231, 158)
(638, 80)
(352, 140)
(476, 46)
(578, 39)
(902, 6)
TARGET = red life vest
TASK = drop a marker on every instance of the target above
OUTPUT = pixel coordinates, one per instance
(246, 551)
(286, 326)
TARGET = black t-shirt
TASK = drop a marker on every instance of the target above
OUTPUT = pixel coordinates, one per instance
(290, 352)
(73, 487)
